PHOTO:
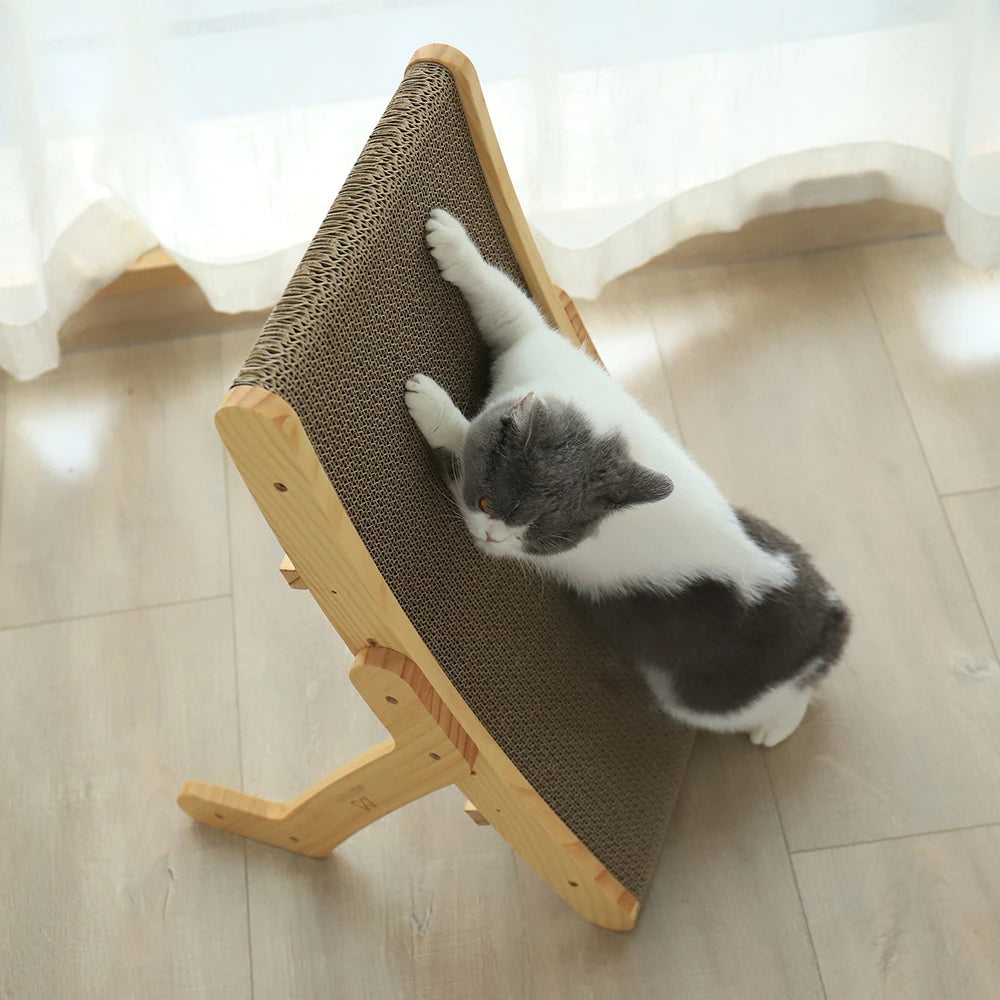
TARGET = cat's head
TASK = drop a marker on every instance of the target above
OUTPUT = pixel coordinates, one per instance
(536, 479)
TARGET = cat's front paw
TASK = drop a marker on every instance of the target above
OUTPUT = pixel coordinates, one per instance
(430, 406)
(450, 246)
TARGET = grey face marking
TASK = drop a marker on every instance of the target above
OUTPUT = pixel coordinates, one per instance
(539, 465)
(450, 465)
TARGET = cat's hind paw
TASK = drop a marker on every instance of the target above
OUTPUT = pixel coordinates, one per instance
(450, 246)
(770, 734)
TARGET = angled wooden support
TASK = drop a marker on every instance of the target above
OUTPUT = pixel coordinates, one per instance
(428, 750)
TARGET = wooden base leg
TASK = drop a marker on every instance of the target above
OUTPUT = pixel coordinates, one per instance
(292, 576)
(475, 814)
(428, 750)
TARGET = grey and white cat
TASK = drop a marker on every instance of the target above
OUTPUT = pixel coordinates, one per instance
(728, 620)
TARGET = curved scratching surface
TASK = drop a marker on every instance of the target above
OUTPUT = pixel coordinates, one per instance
(365, 309)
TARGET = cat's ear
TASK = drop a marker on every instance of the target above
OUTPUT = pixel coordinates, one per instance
(641, 485)
(526, 410)
(523, 406)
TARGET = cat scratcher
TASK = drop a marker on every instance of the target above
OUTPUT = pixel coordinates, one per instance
(485, 676)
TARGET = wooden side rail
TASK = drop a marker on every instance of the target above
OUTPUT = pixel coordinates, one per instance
(580, 336)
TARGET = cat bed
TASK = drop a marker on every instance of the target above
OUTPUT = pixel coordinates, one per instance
(571, 762)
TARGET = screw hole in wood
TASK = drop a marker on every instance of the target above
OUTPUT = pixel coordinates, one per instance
(219, 816)
(392, 701)
(434, 756)
(281, 487)
(294, 840)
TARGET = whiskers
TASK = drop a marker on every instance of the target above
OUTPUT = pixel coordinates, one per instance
(529, 571)
(563, 543)
(447, 492)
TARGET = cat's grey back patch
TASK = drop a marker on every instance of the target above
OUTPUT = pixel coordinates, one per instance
(719, 653)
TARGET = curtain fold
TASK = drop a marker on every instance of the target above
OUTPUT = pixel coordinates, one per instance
(223, 129)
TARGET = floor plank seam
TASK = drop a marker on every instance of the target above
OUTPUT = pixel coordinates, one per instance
(239, 712)
(972, 585)
(974, 490)
(795, 879)
(116, 611)
(923, 451)
(898, 836)
(664, 369)
(4, 424)
(897, 381)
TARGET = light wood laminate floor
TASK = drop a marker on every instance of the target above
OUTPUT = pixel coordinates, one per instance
(851, 396)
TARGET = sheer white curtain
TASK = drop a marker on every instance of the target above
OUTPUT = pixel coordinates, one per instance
(222, 129)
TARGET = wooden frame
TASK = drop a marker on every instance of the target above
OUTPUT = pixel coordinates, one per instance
(437, 738)
(428, 751)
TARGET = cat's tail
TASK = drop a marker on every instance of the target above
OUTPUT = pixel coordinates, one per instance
(837, 628)
(831, 641)
(502, 311)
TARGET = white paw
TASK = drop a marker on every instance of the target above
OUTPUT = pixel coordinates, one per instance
(773, 733)
(450, 245)
(429, 405)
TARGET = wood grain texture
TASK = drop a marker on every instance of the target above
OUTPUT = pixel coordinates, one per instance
(910, 919)
(428, 750)
(581, 336)
(113, 478)
(420, 904)
(106, 888)
(723, 918)
(975, 519)
(786, 396)
(941, 322)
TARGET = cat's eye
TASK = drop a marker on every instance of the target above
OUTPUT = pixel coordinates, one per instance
(484, 505)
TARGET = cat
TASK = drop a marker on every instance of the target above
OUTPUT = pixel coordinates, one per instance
(727, 619)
